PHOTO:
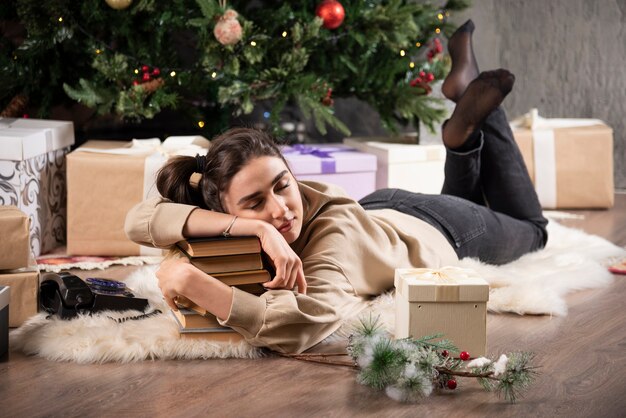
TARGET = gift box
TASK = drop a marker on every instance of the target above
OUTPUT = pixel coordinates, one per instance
(451, 301)
(24, 285)
(338, 164)
(105, 180)
(15, 242)
(5, 294)
(417, 168)
(570, 161)
(32, 175)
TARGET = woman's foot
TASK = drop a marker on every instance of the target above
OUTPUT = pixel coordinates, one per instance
(482, 96)
(464, 67)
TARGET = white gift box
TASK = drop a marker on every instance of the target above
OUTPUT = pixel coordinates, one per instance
(353, 170)
(32, 175)
(412, 167)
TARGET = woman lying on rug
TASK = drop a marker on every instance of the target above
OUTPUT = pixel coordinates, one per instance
(337, 251)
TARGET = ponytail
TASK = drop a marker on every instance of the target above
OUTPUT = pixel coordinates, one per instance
(173, 181)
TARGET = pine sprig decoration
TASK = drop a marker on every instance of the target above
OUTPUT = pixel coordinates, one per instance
(409, 369)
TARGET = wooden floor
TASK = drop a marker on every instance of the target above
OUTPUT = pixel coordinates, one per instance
(582, 359)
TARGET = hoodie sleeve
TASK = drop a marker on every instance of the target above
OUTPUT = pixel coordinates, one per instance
(157, 222)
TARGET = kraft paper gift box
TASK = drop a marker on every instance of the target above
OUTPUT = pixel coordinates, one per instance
(570, 161)
(105, 180)
(412, 167)
(32, 175)
(15, 242)
(5, 294)
(24, 285)
(338, 164)
(450, 301)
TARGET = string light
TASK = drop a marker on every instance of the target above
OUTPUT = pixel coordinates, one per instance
(173, 74)
(411, 64)
(253, 43)
(418, 44)
(440, 16)
(437, 30)
(201, 124)
(402, 53)
(98, 51)
(60, 19)
(447, 14)
(284, 34)
(213, 74)
(136, 71)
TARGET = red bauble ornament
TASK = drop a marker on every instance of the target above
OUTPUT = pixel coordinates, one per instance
(145, 68)
(145, 77)
(451, 384)
(464, 355)
(331, 12)
(156, 71)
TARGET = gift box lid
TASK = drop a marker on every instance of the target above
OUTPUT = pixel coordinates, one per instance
(447, 284)
(5, 296)
(392, 153)
(22, 139)
(327, 159)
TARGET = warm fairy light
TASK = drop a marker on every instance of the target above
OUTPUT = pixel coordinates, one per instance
(437, 30)
(253, 43)
(60, 19)
(402, 53)
(418, 44)
(173, 74)
(98, 51)
(411, 64)
(447, 14)
(201, 124)
(136, 71)
(440, 16)
(213, 74)
(284, 34)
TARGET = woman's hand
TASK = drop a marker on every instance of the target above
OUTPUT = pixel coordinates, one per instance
(288, 265)
(174, 276)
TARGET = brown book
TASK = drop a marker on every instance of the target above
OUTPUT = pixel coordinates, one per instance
(254, 288)
(243, 277)
(230, 336)
(228, 263)
(216, 246)
(190, 319)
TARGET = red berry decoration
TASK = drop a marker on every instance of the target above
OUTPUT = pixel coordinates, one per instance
(451, 384)
(156, 71)
(464, 355)
(430, 77)
(135, 82)
(145, 68)
(331, 12)
(445, 353)
(145, 77)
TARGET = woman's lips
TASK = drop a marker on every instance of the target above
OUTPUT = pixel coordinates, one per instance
(286, 227)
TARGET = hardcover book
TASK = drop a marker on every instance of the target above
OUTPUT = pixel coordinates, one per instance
(217, 246)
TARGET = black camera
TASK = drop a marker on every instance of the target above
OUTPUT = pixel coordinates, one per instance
(67, 295)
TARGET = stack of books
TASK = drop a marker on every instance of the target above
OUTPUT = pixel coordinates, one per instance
(235, 261)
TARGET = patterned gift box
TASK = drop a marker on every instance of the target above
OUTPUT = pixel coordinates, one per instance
(105, 179)
(338, 164)
(412, 167)
(32, 175)
(451, 301)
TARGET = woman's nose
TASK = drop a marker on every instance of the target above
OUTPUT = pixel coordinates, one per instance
(279, 208)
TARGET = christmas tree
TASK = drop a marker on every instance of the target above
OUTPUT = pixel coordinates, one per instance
(211, 59)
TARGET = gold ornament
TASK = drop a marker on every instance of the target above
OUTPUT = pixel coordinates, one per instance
(119, 4)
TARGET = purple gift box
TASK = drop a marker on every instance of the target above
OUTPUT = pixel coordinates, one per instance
(353, 170)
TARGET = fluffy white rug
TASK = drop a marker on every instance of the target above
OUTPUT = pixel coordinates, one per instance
(534, 284)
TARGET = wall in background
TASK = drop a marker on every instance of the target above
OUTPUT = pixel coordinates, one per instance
(568, 56)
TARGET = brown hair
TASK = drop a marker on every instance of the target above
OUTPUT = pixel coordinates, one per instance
(228, 153)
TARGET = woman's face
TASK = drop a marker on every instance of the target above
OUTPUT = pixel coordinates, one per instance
(265, 189)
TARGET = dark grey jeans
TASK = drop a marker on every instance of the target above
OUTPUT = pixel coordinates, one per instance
(488, 208)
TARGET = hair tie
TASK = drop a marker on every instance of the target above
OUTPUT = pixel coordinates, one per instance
(200, 163)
